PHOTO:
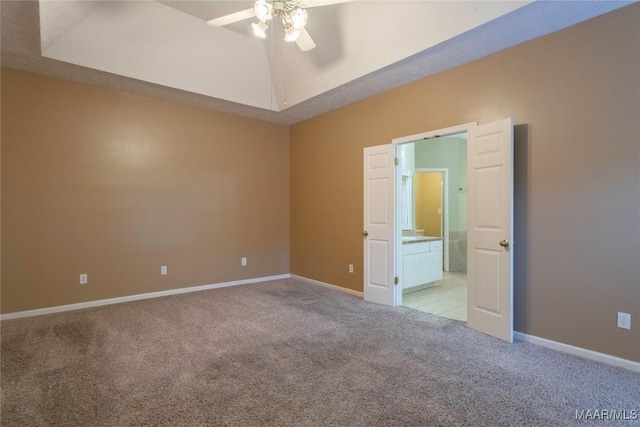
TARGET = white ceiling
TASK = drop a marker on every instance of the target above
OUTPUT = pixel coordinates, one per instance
(166, 50)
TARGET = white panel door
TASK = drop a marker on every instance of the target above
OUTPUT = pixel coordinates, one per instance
(490, 229)
(378, 235)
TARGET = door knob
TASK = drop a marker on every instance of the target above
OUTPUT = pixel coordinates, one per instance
(504, 243)
(365, 233)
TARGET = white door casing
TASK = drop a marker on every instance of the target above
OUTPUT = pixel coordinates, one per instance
(490, 229)
(379, 224)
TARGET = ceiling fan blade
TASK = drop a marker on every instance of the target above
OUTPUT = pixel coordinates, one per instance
(304, 41)
(316, 3)
(233, 17)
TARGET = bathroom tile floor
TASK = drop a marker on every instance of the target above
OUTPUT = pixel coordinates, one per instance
(447, 299)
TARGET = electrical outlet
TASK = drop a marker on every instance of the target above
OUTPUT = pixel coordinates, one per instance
(243, 261)
(83, 279)
(350, 268)
(624, 320)
(163, 270)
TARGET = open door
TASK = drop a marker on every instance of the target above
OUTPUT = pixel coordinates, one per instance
(379, 224)
(490, 229)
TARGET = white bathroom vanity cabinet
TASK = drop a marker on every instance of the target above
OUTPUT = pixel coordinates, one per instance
(421, 261)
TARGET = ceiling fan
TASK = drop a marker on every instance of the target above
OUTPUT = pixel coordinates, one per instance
(292, 13)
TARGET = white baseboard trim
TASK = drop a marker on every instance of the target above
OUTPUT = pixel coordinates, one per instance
(327, 285)
(578, 351)
(118, 300)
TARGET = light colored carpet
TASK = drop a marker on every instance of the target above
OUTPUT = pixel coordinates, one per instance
(286, 353)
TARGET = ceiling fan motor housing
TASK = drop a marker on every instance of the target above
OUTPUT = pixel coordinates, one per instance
(283, 8)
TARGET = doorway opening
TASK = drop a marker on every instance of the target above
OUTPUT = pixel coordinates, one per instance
(434, 225)
(489, 225)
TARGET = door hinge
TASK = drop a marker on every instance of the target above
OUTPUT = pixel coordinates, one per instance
(396, 280)
(396, 161)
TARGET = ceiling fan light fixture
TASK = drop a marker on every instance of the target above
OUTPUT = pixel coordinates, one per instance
(291, 13)
(299, 18)
(260, 29)
(291, 34)
(263, 10)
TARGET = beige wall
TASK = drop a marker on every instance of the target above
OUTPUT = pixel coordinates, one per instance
(116, 185)
(574, 97)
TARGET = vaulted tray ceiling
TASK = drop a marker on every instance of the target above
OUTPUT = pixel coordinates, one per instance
(166, 49)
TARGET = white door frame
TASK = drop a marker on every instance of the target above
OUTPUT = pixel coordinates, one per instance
(398, 208)
(445, 208)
